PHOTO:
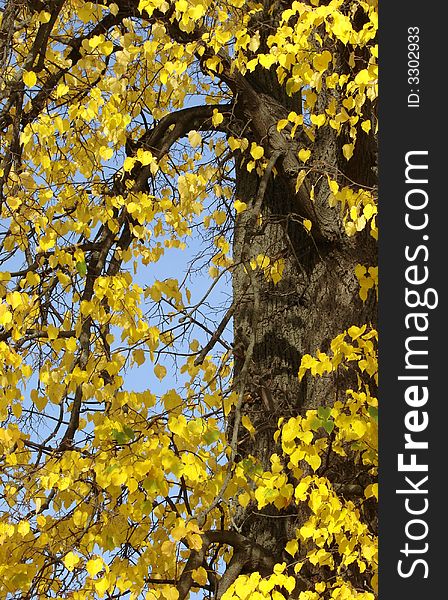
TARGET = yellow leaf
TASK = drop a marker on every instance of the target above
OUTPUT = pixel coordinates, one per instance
(341, 27)
(199, 575)
(23, 528)
(301, 491)
(291, 547)
(234, 143)
(95, 41)
(256, 151)
(29, 78)
(321, 61)
(239, 206)
(128, 163)
(304, 154)
(106, 48)
(52, 332)
(5, 315)
(139, 356)
(251, 64)
(47, 242)
(314, 461)
(164, 77)
(371, 490)
(276, 277)
(160, 371)
(279, 568)
(366, 126)
(170, 593)
(360, 271)
(333, 185)
(61, 90)
(254, 43)
(263, 261)
(70, 560)
(307, 224)
(289, 583)
(194, 541)
(362, 77)
(44, 16)
(94, 566)
(219, 217)
(267, 60)
(354, 332)
(242, 588)
(347, 150)
(282, 124)
(194, 137)
(14, 299)
(214, 64)
(247, 424)
(318, 120)
(300, 179)
(196, 12)
(106, 152)
(217, 117)
(71, 344)
(359, 427)
(101, 586)
(244, 499)
(40, 402)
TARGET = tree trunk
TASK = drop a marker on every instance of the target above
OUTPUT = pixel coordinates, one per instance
(316, 299)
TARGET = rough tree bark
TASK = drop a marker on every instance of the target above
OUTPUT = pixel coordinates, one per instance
(316, 299)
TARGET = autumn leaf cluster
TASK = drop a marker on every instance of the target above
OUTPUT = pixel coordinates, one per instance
(118, 151)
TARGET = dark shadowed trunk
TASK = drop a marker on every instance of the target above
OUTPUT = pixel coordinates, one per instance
(316, 299)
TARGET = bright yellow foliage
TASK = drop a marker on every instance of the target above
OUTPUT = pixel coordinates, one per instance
(104, 501)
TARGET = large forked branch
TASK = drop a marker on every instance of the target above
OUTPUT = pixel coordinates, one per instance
(262, 112)
(170, 129)
(159, 140)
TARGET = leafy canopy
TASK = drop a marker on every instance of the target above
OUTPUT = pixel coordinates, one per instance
(118, 148)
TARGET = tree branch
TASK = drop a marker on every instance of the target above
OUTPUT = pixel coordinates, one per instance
(234, 568)
(243, 547)
(215, 336)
